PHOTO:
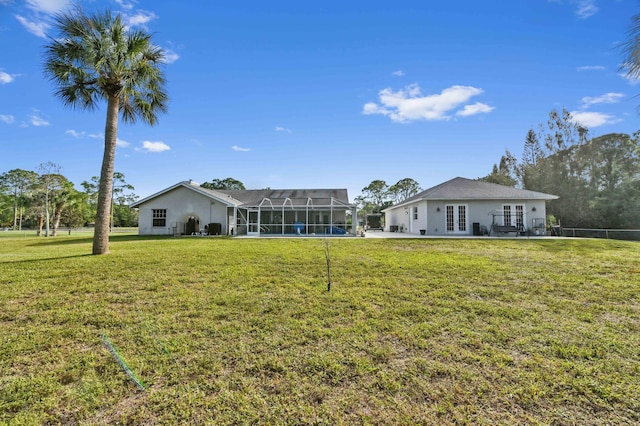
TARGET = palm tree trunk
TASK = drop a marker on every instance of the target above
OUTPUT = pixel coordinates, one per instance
(101, 234)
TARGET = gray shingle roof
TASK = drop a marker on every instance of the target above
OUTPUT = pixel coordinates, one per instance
(255, 197)
(467, 189)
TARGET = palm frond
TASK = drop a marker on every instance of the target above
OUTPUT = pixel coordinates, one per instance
(631, 50)
(96, 57)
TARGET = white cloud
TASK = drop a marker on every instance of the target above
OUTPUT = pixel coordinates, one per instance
(48, 6)
(593, 119)
(409, 104)
(38, 28)
(9, 119)
(607, 98)
(283, 129)
(124, 144)
(170, 56)
(477, 108)
(140, 18)
(6, 78)
(398, 73)
(38, 121)
(586, 9)
(155, 146)
(125, 5)
(240, 149)
(74, 133)
(591, 68)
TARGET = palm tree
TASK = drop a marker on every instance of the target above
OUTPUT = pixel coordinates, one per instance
(97, 57)
(631, 48)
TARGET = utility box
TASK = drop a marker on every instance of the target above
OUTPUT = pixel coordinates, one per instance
(214, 229)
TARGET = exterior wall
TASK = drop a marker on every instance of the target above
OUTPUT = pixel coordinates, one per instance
(478, 211)
(181, 204)
(404, 218)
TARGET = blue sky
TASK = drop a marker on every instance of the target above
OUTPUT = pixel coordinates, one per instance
(331, 94)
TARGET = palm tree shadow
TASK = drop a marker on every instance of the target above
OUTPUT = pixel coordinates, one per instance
(65, 241)
(47, 259)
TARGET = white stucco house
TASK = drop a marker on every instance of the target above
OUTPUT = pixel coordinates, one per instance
(186, 208)
(470, 207)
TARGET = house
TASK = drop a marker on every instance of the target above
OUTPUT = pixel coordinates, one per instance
(186, 208)
(470, 207)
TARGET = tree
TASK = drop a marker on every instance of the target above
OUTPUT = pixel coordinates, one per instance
(613, 164)
(48, 183)
(122, 214)
(62, 199)
(118, 196)
(404, 189)
(77, 211)
(17, 183)
(631, 50)
(228, 183)
(91, 194)
(527, 171)
(376, 192)
(97, 57)
(563, 131)
(505, 173)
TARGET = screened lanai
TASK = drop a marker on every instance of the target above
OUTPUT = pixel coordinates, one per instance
(293, 212)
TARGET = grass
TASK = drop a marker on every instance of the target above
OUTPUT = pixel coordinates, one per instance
(243, 331)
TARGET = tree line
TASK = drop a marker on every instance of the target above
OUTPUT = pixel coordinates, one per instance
(597, 179)
(126, 73)
(46, 200)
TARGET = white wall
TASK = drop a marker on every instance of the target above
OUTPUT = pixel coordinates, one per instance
(434, 221)
(181, 203)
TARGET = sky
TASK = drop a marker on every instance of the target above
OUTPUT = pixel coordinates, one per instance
(327, 94)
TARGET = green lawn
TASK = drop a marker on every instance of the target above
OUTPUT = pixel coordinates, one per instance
(243, 331)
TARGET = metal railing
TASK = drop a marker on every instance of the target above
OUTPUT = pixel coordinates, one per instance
(614, 234)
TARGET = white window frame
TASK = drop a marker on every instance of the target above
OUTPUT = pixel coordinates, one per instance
(457, 226)
(514, 215)
(159, 214)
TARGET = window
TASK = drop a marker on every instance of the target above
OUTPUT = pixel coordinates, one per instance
(520, 216)
(513, 215)
(415, 213)
(159, 217)
(462, 218)
(450, 219)
(506, 219)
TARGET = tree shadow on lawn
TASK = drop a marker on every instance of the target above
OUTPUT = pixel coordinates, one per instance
(47, 259)
(64, 241)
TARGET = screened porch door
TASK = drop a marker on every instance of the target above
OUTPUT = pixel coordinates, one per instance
(456, 219)
(253, 222)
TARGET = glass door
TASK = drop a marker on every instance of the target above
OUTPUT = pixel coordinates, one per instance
(456, 219)
(253, 222)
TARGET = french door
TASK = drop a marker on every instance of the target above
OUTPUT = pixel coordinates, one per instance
(456, 218)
